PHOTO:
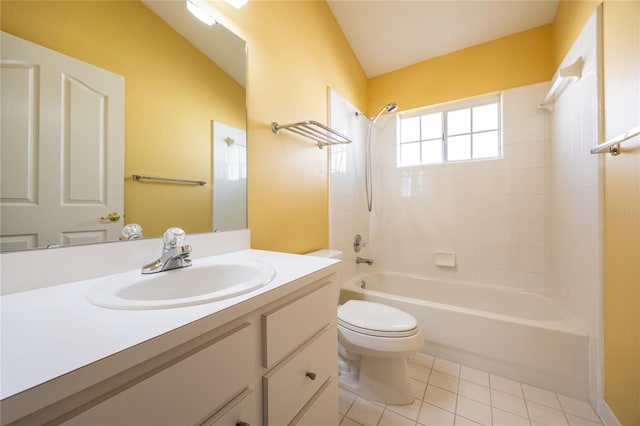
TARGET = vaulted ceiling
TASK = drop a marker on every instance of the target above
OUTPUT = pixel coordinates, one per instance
(390, 34)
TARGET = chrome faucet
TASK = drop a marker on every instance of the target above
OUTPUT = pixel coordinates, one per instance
(174, 254)
(363, 260)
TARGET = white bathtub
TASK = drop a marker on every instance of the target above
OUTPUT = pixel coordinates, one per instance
(523, 336)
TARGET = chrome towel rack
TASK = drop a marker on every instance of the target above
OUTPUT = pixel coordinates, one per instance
(139, 178)
(571, 73)
(612, 146)
(315, 131)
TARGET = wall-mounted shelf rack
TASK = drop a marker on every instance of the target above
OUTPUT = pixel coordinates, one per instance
(139, 178)
(612, 146)
(565, 75)
(323, 135)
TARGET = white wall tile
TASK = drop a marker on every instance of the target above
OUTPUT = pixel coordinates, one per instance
(474, 209)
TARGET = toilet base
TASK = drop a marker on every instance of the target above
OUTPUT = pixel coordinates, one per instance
(380, 379)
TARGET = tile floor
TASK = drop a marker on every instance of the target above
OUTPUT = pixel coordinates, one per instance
(451, 394)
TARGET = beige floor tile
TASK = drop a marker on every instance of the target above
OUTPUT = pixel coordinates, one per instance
(446, 367)
(474, 410)
(419, 372)
(474, 391)
(441, 398)
(581, 421)
(422, 359)
(509, 403)
(419, 388)
(505, 385)
(410, 411)
(345, 399)
(431, 415)
(389, 418)
(578, 408)
(444, 381)
(348, 422)
(541, 396)
(463, 421)
(476, 376)
(546, 415)
(503, 418)
(365, 412)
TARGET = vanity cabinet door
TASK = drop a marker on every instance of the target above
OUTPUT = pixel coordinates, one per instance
(190, 391)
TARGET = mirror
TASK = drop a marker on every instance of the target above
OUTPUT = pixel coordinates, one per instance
(184, 118)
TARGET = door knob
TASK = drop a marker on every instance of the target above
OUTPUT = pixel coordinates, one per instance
(111, 217)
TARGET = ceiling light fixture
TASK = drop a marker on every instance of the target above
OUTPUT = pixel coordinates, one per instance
(237, 3)
(200, 13)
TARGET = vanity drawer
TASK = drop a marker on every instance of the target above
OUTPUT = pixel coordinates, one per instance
(289, 326)
(323, 409)
(243, 409)
(187, 390)
(289, 386)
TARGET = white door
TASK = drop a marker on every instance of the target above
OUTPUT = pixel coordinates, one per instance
(62, 148)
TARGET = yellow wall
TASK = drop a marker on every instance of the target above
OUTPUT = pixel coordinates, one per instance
(167, 125)
(569, 20)
(512, 61)
(296, 50)
(621, 45)
(622, 211)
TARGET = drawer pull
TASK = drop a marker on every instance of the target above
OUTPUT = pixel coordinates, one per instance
(241, 423)
(311, 375)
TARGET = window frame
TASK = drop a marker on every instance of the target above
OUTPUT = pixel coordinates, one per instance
(444, 109)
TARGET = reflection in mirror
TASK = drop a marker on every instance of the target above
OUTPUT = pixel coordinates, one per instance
(183, 96)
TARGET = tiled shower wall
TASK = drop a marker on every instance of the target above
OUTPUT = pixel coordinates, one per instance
(347, 201)
(491, 213)
(575, 206)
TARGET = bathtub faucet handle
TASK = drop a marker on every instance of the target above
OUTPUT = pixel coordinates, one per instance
(358, 243)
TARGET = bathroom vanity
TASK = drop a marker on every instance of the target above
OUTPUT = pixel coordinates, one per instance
(265, 357)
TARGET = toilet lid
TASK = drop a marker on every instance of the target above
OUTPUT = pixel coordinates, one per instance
(376, 319)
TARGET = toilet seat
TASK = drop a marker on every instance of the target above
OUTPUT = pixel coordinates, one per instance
(375, 319)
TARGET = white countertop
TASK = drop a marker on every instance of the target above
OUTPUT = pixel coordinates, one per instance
(52, 331)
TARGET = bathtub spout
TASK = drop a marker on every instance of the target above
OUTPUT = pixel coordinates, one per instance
(363, 260)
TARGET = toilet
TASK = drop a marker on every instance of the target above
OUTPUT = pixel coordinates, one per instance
(374, 344)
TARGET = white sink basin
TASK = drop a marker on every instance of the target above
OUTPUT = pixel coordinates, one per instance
(203, 282)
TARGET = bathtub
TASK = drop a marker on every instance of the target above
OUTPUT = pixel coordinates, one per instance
(523, 336)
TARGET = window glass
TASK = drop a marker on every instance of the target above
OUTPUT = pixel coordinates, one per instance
(486, 145)
(485, 117)
(457, 132)
(459, 122)
(432, 151)
(431, 126)
(410, 129)
(410, 154)
(459, 148)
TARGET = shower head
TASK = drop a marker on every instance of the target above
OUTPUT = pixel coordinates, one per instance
(390, 107)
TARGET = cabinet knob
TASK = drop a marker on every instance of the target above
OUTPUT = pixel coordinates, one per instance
(241, 423)
(311, 375)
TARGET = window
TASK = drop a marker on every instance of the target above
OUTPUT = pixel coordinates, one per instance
(464, 131)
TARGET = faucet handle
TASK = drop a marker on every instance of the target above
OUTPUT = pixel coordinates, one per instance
(173, 237)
